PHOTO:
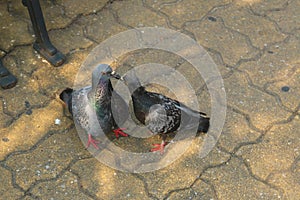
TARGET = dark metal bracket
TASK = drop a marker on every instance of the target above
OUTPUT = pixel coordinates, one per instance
(7, 80)
(42, 43)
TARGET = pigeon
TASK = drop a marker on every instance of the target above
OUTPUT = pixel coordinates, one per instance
(161, 114)
(91, 106)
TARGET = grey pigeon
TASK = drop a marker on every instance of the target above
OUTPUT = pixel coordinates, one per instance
(91, 106)
(161, 114)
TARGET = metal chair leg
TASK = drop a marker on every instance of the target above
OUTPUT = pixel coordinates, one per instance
(42, 43)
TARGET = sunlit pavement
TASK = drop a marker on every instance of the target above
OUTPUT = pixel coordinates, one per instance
(256, 46)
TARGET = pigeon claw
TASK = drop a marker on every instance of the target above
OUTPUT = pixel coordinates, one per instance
(119, 131)
(159, 147)
(93, 142)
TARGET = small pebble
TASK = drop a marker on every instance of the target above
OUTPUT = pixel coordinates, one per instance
(27, 104)
(28, 112)
(285, 88)
(57, 121)
(213, 19)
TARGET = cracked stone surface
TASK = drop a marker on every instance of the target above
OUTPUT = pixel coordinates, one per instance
(255, 45)
(261, 107)
(46, 161)
(244, 185)
(107, 27)
(222, 39)
(264, 33)
(64, 187)
(236, 131)
(10, 25)
(136, 8)
(289, 21)
(276, 152)
(13, 193)
(278, 63)
(289, 98)
(101, 181)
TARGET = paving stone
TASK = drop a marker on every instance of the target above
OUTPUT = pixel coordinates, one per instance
(182, 194)
(288, 19)
(291, 97)
(138, 16)
(232, 45)
(6, 185)
(64, 187)
(63, 76)
(54, 14)
(67, 73)
(72, 9)
(28, 129)
(146, 56)
(28, 198)
(184, 171)
(102, 26)
(17, 9)
(192, 75)
(5, 119)
(203, 191)
(236, 131)
(244, 185)
(260, 30)
(216, 58)
(24, 60)
(276, 152)
(263, 7)
(10, 30)
(107, 183)
(275, 64)
(69, 39)
(180, 12)
(229, 30)
(262, 108)
(288, 181)
(27, 89)
(47, 160)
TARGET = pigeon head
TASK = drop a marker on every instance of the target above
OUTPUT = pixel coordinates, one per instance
(103, 72)
(131, 80)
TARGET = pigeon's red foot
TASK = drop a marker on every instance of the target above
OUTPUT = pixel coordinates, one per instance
(119, 131)
(93, 142)
(159, 147)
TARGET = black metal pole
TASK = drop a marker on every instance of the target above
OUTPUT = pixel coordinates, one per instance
(42, 43)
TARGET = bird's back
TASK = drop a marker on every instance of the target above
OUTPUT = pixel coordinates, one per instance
(156, 111)
(66, 97)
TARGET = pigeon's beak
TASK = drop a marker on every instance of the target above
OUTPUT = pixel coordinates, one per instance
(115, 75)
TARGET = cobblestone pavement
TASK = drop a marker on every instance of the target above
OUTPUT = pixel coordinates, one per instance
(256, 46)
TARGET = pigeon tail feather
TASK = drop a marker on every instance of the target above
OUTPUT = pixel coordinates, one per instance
(203, 124)
(66, 97)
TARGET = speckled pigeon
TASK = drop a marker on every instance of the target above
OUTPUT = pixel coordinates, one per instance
(91, 106)
(161, 114)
